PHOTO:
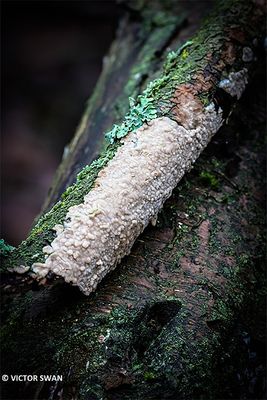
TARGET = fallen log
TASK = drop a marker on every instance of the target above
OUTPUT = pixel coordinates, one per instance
(156, 327)
(179, 111)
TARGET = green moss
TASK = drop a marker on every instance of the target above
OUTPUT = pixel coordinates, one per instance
(148, 61)
(149, 376)
(209, 179)
(189, 366)
(184, 54)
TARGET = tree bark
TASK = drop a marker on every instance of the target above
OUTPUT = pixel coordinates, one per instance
(159, 325)
(191, 79)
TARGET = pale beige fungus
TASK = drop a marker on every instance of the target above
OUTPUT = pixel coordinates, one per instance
(128, 194)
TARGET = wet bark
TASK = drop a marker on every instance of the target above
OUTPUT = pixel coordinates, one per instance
(168, 322)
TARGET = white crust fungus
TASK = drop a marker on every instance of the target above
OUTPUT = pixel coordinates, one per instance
(127, 196)
(236, 83)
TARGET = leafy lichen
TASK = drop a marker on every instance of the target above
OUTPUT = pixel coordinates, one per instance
(5, 249)
(141, 112)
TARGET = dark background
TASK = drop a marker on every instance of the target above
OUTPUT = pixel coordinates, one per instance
(52, 53)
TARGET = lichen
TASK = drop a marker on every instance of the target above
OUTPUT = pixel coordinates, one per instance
(141, 112)
(5, 249)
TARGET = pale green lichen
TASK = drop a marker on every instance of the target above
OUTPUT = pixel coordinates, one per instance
(141, 112)
(5, 249)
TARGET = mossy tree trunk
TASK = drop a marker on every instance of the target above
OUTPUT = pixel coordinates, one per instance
(163, 324)
(146, 33)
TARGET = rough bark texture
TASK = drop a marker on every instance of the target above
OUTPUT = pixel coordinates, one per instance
(191, 77)
(165, 322)
(163, 325)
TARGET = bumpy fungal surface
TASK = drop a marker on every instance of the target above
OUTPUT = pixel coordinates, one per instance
(128, 194)
(236, 83)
